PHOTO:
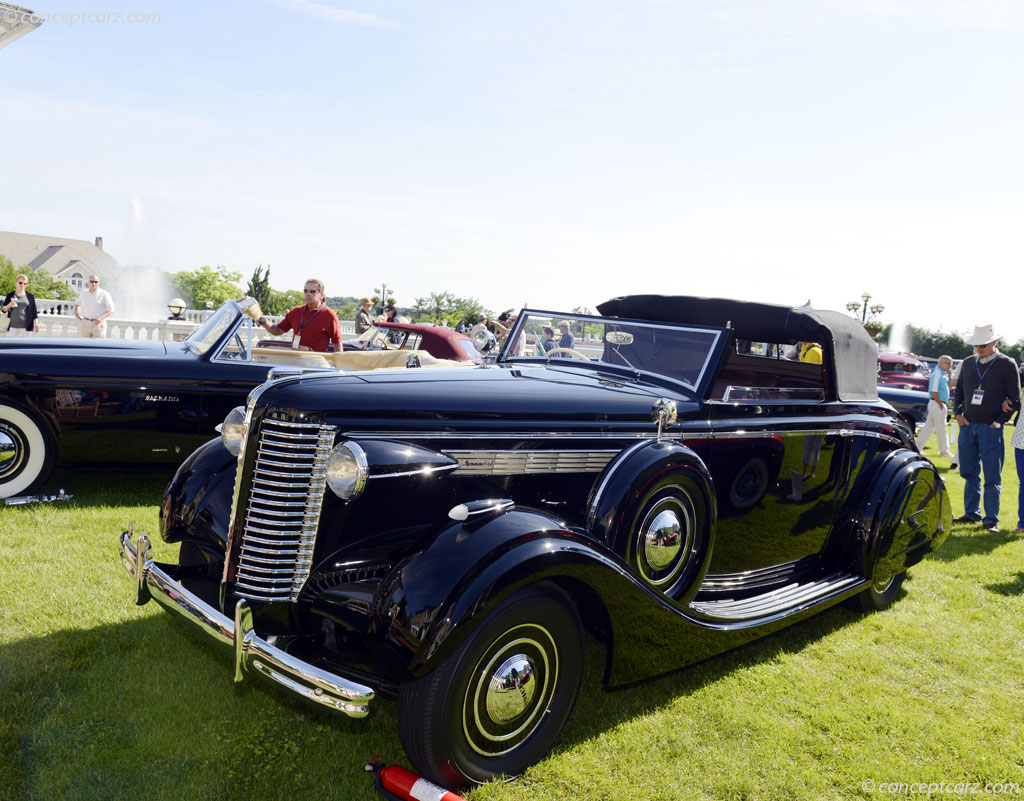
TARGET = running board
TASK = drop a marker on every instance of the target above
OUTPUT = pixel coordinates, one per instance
(781, 602)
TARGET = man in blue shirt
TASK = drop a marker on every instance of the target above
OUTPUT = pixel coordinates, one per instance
(938, 388)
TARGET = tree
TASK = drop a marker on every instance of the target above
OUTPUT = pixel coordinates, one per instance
(447, 308)
(259, 288)
(282, 302)
(196, 287)
(933, 344)
(41, 285)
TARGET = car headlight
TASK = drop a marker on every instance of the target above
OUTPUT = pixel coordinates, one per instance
(232, 430)
(347, 470)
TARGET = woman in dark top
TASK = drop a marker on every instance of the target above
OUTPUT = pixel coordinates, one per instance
(20, 307)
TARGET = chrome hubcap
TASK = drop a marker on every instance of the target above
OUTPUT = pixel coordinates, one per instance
(510, 690)
(665, 539)
(12, 449)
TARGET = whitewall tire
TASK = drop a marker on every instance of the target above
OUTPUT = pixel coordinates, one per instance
(26, 451)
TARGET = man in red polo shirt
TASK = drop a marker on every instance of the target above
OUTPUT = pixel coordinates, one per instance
(313, 324)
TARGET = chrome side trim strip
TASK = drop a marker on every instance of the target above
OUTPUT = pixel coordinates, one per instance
(422, 471)
(516, 462)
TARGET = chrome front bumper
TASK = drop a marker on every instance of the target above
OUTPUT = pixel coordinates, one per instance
(252, 653)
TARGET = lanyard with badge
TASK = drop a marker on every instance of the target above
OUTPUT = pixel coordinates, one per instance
(979, 393)
(297, 335)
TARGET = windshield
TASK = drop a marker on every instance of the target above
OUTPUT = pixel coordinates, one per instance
(681, 353)
(204, 337)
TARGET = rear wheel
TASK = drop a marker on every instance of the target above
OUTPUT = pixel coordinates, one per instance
(880, 595)
(749, 484)
(26, 451)
(496, 705)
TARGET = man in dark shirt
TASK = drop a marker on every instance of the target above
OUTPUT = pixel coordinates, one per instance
(566, 340)
(986, 394)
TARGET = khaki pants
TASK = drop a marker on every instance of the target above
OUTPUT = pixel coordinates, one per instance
(935, 423)
(92, 329)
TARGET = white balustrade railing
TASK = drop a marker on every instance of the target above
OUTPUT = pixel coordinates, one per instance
(53, 323)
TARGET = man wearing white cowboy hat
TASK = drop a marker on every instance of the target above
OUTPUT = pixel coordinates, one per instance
(986, 394)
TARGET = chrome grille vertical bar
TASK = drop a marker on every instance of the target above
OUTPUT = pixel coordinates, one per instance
(311, 519)
(278, 538)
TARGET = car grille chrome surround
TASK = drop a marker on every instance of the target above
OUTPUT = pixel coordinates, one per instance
(282, 510)
(515, 463)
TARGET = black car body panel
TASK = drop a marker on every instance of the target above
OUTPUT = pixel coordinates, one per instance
(683, 484)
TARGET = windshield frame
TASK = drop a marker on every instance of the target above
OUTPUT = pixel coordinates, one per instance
(698, 389)
(191, 342)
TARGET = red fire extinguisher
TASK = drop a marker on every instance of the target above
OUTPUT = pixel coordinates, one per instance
(398, 784)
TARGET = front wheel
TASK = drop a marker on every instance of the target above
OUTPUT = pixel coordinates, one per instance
(26, 451)
(497, 703)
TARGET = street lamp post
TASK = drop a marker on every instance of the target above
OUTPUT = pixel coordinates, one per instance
(385, 296)
(854, 307)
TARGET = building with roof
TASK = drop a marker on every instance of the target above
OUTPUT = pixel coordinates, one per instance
(69, 260)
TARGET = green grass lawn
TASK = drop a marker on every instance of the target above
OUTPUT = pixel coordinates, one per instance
(101, 699)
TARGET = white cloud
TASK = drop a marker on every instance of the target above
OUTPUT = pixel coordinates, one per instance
(332, 14)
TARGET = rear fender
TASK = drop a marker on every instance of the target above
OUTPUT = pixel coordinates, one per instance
(904, 515)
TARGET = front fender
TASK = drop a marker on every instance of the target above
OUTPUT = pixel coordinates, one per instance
(197, 503)
(425, 607)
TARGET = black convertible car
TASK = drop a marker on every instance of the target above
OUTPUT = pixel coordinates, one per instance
(675, 486)
(116, 402)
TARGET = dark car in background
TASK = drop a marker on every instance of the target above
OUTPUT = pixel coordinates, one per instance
(447, 536)
(119, 402)
(912, 403)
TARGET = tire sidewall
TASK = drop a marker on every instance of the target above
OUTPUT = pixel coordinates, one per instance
(555, 614)
(879, 600)
(35, 468)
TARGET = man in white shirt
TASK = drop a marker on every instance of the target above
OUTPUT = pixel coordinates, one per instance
(938, 389)
(92, 309)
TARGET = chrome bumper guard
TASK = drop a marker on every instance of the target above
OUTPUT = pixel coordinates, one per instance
(252, 653)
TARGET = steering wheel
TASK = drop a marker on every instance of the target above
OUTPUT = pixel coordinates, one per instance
(570, 351)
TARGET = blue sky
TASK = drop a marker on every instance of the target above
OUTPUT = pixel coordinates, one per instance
(553, 153)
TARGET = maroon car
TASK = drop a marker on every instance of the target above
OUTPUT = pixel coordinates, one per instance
(903, 370)
(441, 343)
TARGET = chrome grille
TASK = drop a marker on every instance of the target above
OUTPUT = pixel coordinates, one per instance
(514, 463)
(283, 510)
